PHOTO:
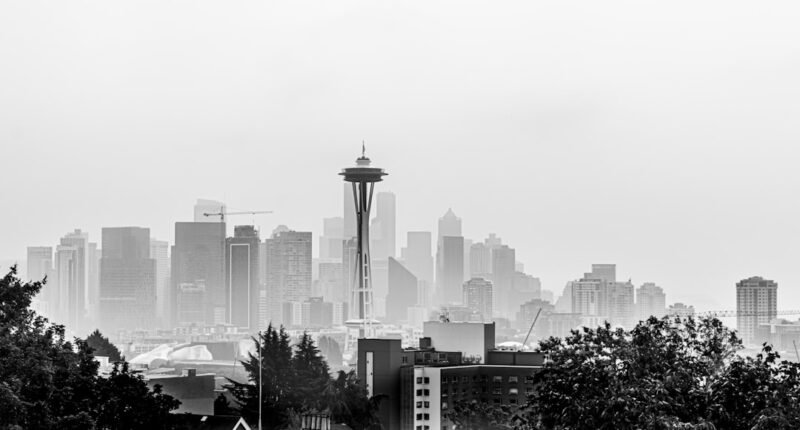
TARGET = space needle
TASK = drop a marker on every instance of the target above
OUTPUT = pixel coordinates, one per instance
(363, 176)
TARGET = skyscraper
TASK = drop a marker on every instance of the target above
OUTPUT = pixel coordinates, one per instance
(620, 304)
(449, 225)
(479, 297)
(402, 292)
(383, 230)
(480, 260)
(198, 257)
(418, 258)
(606, 272)
(650, 301)
(127, 280)
(503, 271)
(288, 272)
(450, 269)
(40, 262)
(756, 303)
(203, 206)
(242, 277)
(77, 305)
(64, 297)
(330, 243)
(349, 224)
(159, 251)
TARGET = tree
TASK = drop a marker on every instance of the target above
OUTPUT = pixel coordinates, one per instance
(127, 403)
(101, 346)
(311, 371)
(664, 374)
(349, 404)
(47, 382)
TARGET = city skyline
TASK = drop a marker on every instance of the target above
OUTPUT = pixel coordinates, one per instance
(553, 127)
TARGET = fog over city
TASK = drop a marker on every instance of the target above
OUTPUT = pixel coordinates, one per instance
(660, 137)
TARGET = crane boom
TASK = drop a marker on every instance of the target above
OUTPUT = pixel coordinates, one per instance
(222, 214)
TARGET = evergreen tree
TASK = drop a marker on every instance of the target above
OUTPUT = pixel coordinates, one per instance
(101, 346)
(47, 382)
(311, 370)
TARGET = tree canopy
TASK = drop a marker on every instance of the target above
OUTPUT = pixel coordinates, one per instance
(101, 346)
(48, 382)
(664, 374)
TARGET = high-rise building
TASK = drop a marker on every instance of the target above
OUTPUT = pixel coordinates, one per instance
(78, 298)
(241, 277)
(417, 258)
(127, 280)
(39, 267)
(402, 292)
(64, 297)
(589, 300)
(650, 301)
(756, 303)
(349, 272)
(620, 306)
(478, 297)
(159, 251)
(349, 226)
(503, 272)
(317, 313)
(680, 310)
(198, 257)
(450, 269)
(605, 272)
(190, 303)
(203, 207)
(330, 243)
(525, 288)
(288, 272)
(93, 286)
(449, 225)
(40, 262)
(480, 260)
(331, 281)
(383, 230)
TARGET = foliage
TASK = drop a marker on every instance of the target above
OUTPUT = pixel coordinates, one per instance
(47, 382)
(101, 346)
(475, 415)
(663, 374)
(295, 381)
(126, 402)
(222, 406)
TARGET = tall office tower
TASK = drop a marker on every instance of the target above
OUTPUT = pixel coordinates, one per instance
(330, 243)
(127, 280)
(525, 288)
(493, 241)
(503, 270)
(190, 303)
(467, 249)
(756, 303)
(64, 297)
(383, 230)
(349, 227)
(480, 260)
(78, 296)
(450, 269)
(349, 272)
(478, 297)
(159, 251)
(40, 262)
(40, 266)
(417, 256)
(403, 293)
(93, 285)
(606, 272)
(203, 206)
(198, 257)
(650, 301)
(380, 287)
(589, 300)
(680, 310)
(449, 225)
(288, 272)
(242, 284)
(362, 178)
(564, 301)
(620, 306)
(331, 282)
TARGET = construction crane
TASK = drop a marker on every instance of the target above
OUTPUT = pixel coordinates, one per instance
(222, 213)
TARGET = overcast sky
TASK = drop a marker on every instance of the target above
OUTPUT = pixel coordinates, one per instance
(660, 136)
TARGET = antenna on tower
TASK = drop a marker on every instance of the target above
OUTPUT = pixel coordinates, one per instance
(363, 149)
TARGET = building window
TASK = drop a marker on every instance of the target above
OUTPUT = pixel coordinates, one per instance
(444, 405)
(427, 416)
(529, 379)
(427, 427)
(427, 404)
(419, 404)
(419, 427)
(404, 359)
(513, 379)
(497, 379)
(419, 379)
(465, 379)
(513, 391)
(512, 401)
(419, 392)
(497, 391)
(426, 392)
(426, 380)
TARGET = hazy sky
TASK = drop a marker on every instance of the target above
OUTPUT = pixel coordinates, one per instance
(661, 136)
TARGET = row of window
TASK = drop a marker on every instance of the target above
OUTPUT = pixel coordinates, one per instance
(423, 380)
(423, 404)
(484, 378)
(495, 391)
(423, 392)
(496, 400)
(423, 427)
(423, 417)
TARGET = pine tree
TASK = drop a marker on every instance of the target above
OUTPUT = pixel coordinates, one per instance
(312, 372)
(101, 346)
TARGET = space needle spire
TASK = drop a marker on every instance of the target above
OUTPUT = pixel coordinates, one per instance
(363, 177)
